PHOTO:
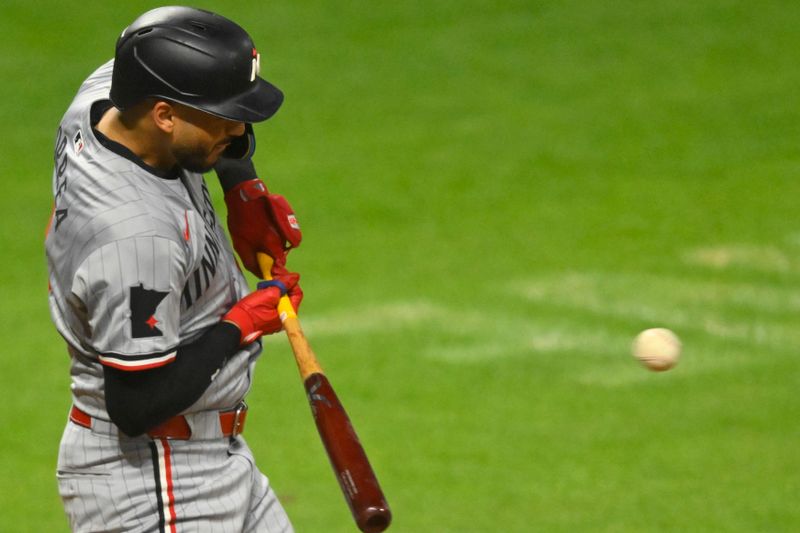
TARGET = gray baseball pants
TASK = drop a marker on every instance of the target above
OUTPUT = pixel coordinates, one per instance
(110, 482)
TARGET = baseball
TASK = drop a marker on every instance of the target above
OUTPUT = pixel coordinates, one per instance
(657, 348)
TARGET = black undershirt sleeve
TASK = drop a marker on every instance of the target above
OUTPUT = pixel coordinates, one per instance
(231, 172)
(138, 401)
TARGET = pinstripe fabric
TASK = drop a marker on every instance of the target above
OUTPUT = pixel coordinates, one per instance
(123, 229)
(138, 266)
(121, 484)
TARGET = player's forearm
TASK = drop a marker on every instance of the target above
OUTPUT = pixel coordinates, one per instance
(138, 401)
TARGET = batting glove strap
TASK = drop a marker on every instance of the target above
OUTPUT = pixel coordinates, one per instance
(273, 283)
(250, 190)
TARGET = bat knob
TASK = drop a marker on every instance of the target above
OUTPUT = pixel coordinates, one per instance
(374, 519)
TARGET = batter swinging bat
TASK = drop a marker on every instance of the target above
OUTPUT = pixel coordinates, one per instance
(349, 462)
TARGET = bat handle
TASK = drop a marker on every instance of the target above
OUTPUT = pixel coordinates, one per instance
(307, 362)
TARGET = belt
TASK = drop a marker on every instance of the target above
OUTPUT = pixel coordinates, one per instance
(231, 423)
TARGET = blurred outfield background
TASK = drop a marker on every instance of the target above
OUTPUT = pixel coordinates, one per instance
(496, 197)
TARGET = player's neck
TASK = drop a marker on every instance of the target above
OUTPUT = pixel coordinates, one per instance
(136, 138)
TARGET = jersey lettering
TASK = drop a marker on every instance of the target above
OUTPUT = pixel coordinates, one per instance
(61, 162)
(201, 278)
(208, 209)
(60, 215)
(208, 264)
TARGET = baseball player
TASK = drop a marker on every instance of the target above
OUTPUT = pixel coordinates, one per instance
(162, 330)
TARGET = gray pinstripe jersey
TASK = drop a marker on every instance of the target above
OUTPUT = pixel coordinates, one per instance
(138, 263)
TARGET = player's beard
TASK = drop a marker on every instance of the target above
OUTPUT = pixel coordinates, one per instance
(195, 158)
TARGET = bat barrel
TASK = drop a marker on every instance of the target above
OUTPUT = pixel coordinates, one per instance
(348, 459)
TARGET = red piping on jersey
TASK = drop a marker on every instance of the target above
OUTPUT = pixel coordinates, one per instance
(50, 221)
(168, 475)
(186, 230)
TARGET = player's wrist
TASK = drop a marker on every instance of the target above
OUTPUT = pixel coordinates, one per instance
(242, 320)
(234, 172)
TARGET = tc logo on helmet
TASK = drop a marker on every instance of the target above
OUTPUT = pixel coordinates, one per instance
(256, 68)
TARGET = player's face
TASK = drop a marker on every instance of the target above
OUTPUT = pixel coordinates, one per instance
(200, 138)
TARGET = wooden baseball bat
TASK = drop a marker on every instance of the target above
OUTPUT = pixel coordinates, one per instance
(348, 459)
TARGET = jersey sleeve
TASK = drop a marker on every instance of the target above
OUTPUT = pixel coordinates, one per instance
(131, 290)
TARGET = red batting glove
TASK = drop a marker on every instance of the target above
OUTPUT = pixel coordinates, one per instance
(256, 314)
(261, 222)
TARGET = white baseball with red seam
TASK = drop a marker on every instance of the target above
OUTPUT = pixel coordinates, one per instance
(657, 348)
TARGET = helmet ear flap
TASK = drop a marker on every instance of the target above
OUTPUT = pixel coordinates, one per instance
(242, 147)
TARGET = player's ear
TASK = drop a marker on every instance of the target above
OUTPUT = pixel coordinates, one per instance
(163, 114)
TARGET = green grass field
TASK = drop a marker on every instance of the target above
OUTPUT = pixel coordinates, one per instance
(496, 197)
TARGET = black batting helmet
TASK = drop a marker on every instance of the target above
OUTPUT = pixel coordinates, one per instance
(193, 57)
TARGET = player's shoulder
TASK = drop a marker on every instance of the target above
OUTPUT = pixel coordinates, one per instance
(102, 205)
(106, 192)
(96, 87)
(102, 194)
(125, 208)
(77, 152)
